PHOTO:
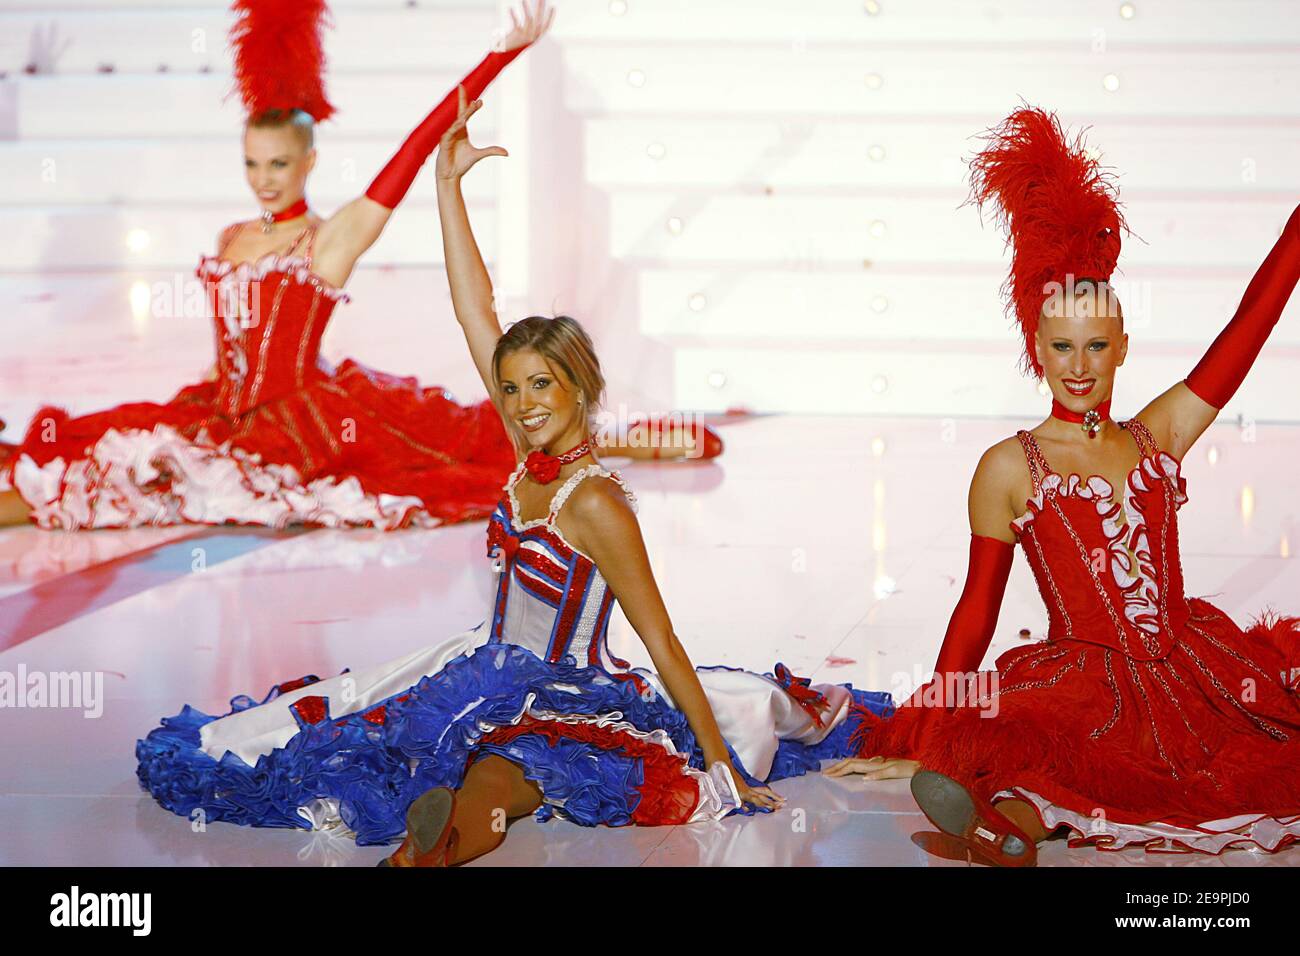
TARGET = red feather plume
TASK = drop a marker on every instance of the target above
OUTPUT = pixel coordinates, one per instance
(279, 60)
(1060, 212)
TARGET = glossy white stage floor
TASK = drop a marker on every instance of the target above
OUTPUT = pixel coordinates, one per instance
(835, 545)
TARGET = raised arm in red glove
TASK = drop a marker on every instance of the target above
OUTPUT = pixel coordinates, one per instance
(395, 179)
(357, 225)
(1222, 369)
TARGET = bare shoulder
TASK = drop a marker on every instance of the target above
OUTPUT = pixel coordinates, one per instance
(1001, 464)
(228, 233)
(598, 500)
(1000, 478)
(599, 520)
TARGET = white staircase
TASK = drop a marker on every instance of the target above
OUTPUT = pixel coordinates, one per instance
(750, 204)
(774, 189)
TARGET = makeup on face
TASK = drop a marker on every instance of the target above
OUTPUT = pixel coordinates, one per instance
(538, 400)
(276, 172)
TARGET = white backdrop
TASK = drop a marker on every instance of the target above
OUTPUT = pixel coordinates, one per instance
(749, 203)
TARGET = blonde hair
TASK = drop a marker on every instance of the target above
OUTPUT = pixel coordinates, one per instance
(565, 345)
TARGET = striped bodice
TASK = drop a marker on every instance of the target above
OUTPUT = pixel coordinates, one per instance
(551, 598)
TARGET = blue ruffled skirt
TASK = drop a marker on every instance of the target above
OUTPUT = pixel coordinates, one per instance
(372, 765)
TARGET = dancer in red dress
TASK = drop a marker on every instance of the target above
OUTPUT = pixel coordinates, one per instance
(1147, 718)
(276, 437)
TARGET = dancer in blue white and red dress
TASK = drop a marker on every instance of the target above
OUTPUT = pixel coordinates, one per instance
(530, 711)
(275, 436)
(1148, 718)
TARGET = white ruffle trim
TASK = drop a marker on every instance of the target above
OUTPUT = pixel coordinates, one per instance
(1249, 830)
(1155, 467)
(226, 273)
(123, 483)
(1125, 527)
(717, 789)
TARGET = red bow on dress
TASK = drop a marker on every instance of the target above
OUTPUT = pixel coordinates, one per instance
(800, 689)
(544, 468)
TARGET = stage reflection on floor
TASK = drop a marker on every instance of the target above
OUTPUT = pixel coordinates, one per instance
(835, 545)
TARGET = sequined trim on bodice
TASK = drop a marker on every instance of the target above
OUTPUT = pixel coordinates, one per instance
(1109, 571)
(550, 596)
(268, 319)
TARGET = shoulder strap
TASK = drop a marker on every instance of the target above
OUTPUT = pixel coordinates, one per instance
(515, 475)
(311, 243)
(577, 478)
(1038, 466)
(1146, 442)
(297, 239)
(227, 235)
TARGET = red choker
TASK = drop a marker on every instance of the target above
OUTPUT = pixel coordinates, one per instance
(292, 212)
(1090, 421)
(545, 468)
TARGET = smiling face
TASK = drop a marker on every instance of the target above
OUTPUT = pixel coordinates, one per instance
(542, 401)
(277, 160)
(1080, 343)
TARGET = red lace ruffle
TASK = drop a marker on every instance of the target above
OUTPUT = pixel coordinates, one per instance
(1183, 745)
(668, 795)
(390, 434)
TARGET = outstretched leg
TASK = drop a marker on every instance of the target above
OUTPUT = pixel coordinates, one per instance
(445, 827)
(494, 791)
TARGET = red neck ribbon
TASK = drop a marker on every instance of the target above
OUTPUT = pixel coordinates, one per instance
(545, 468)
(1065, 415)
(292, 212)
(1090, 421)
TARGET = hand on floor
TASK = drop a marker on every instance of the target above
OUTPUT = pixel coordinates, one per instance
(874, 768)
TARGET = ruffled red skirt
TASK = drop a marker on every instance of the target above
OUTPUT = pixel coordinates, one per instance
(1129, 752)
(353, 448)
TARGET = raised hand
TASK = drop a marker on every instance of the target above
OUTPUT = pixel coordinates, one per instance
(536, 21)
(456, 154)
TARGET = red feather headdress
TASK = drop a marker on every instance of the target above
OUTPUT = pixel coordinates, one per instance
(279, 61)
(1058, 208)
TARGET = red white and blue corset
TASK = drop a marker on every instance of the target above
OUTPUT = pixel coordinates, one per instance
(551, 598)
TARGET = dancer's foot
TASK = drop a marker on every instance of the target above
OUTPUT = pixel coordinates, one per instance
(1023, 815)
(430, 837)
(956, 811)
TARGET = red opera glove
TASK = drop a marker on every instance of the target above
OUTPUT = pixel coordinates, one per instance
(1222, 369)
(970, 631)
(395, 179)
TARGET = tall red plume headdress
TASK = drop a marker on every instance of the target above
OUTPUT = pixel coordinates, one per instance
(279, 60)
(1058, 208)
